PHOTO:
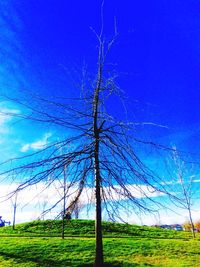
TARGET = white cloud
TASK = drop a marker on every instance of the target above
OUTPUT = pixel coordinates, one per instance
(196, 181)
(31, 201)
(170, 215)
(185, 181)
(168, 182)
(37, 145)
(6, 115)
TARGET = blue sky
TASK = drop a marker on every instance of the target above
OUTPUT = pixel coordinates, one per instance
(156, 53)
(45, 44)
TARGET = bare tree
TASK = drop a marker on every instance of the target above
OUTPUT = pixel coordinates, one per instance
(183, 180)
(64, 201)
(14, 204)
(43, 205)
(98, 150)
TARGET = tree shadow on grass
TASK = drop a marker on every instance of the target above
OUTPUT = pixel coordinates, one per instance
(104, 265)
(112, 265)
(27, 259)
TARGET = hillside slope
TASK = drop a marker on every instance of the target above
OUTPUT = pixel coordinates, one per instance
(86, 228)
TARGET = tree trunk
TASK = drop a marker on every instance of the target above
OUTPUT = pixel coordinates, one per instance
(98, 221)
(192, 224)
(64, 203)
(14, 215)
(14, 212)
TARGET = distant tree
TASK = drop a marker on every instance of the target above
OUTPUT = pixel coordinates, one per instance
(44, 205)
(197, 225)
(187, 226)
(64, 201)
(182, 179)
(14, 204)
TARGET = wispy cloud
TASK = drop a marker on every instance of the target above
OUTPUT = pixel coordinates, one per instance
(196, 181)
(6, 115)
(33, 198)
(37, 145)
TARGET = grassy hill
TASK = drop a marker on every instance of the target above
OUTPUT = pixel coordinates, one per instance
(86, 228)
(38, 243)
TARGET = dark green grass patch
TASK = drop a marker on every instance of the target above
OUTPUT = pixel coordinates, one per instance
(46, 251)
(32, 252)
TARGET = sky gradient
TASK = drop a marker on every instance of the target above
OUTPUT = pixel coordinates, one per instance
(45, 44)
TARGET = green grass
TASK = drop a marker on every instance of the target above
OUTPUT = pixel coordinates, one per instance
(86, 228)
(37, 244)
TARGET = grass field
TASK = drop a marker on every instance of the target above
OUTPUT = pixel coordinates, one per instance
(39, 244)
